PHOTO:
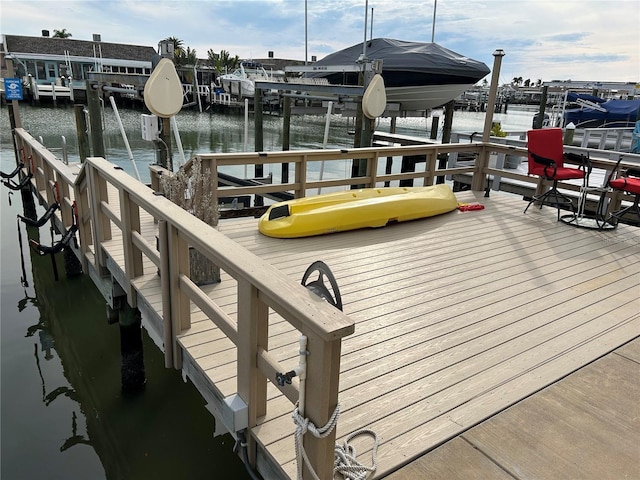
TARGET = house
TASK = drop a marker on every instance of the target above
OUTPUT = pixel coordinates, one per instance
(56, 60)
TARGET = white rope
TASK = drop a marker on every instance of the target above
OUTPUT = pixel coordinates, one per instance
(304, 426)
(345, 462)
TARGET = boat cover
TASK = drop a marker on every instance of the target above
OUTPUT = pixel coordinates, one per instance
(619, 112)
(410, 57)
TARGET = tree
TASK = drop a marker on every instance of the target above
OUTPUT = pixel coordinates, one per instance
(185, 57)
(224, 62)
(527, 82)
(517, 80)
(61, 33)
(212, 58)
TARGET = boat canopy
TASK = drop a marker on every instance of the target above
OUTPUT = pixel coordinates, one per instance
(409, 63)
(612, 113)
(574, 96)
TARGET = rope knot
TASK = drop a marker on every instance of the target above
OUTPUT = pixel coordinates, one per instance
(345, 462)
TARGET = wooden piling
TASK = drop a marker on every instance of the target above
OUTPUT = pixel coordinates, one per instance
(259, 139)
(84, 149)
(95, 120)
(132, 373)
(539, 119)
(286, 134)
(446, 137)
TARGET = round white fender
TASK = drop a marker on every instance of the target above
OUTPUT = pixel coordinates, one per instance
(163, 90)
(374, 100)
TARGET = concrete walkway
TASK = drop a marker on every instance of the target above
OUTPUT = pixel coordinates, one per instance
(586, 426)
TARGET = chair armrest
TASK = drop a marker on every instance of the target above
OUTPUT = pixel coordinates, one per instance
(577, 158)
(547, 162)
(542, 160)
(583, 160)
(632, 172)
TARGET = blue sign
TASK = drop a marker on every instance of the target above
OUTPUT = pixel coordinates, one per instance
(12, 89)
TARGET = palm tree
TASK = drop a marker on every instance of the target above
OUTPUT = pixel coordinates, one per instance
(212, 58)
(61, 33)
(186, 57)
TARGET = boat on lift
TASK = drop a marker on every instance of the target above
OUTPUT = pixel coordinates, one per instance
(241, 82)
(355, 209)
(418, 76)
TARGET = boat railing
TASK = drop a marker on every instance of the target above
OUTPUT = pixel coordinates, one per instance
(112, 208)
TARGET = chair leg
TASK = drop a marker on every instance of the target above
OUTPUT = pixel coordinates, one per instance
(618, 214)
(559, 199)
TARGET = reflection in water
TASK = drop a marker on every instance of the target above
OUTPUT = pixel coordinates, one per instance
(63, 413)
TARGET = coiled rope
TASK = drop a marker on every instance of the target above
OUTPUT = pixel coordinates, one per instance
(345, 462)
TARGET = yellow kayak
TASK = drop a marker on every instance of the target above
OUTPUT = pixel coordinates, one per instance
(353, 209)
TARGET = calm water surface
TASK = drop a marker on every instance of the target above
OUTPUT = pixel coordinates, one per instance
(63, 415)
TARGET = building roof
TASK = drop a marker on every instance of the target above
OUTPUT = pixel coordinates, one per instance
(18, 44)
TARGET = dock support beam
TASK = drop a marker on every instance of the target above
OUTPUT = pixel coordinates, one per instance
(132, 374)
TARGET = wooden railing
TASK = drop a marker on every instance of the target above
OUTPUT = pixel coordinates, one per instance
(259, 285)
(96, 184)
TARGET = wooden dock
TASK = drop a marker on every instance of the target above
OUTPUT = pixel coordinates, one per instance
(447, 321)
(450, 332)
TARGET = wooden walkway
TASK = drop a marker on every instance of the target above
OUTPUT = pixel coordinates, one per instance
(457, 318)
(586, 426)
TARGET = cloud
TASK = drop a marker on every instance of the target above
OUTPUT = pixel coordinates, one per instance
(582, 39)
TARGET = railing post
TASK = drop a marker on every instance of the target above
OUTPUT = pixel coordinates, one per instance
(165, 286)
(323, 374)
(100, 224)
(482, 161)
(81, 194)
(253, 333)
(180, 305)
(130, 215)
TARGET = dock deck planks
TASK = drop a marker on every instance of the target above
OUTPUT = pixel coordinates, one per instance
(457, 318)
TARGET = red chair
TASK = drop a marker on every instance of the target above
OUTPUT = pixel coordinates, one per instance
(546, 160)
(629, 182)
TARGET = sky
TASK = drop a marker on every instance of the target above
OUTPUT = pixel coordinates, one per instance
(579, 40)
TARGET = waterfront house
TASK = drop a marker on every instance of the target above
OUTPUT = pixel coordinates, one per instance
(57, 60)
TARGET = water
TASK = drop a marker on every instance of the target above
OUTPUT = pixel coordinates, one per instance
(63, 414)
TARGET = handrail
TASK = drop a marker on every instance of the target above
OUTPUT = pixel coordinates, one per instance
(260, 286)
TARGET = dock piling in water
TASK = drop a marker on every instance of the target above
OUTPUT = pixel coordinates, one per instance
(132, 373)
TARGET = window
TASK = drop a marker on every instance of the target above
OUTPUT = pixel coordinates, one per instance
(41, 73)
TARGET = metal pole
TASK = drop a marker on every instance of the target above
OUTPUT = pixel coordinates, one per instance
(124, 135)
(493, 92)
(371, 31)
(433, 26)
(364, 42)
(306, 39)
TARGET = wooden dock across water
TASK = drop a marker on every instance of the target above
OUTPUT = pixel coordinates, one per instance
(447, 321)
(457, 318)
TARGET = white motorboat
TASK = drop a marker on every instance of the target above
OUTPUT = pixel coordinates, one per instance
(240, 83)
